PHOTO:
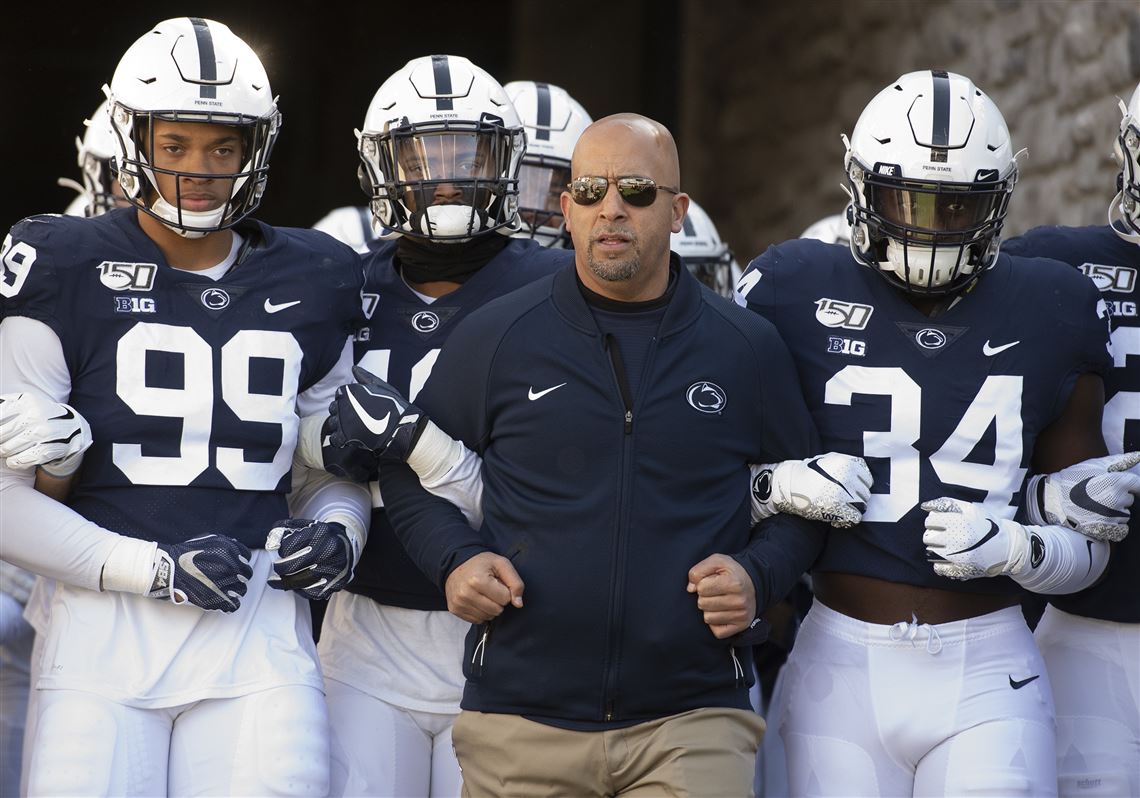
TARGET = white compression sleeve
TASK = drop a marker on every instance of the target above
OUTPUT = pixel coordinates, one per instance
(319, 495)
(449, 470)
(36, 532)
(1066, 561)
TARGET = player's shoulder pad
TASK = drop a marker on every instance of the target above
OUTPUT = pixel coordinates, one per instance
(337, 263)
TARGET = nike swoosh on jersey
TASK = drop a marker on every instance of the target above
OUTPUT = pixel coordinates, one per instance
(272, 308)
(993, 531)
(1080, 497)
(377, 426)
(1018, 684)
(532, 395)
(990, 351)
(187, 564)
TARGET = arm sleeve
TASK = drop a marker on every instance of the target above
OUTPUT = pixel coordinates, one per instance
(38, 533)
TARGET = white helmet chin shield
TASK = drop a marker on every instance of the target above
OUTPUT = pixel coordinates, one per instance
(441, 147)
(553, 121)
(1124, 210)
(931, 169)
(192, 70)
(706, 256)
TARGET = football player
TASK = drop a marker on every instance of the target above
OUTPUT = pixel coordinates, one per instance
(441, 148)
(952, 367)
(1093, 637)
(191, 337)
(100, 190)
(553, 121)
(704, 253)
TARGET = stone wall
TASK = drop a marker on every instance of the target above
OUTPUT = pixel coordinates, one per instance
(767, 88)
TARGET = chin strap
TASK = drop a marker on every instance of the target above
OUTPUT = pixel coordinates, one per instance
(1116, 214)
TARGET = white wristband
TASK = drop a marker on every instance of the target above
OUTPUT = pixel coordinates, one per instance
(130, 566)
(309, 441)
(434, 454)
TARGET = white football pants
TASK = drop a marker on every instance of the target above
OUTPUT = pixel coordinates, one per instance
(274, 742)
(1094, 667)
(379, 749)
(961, 708)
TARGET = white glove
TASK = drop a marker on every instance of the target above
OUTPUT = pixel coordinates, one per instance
(37, 431)
(1092, 497)
(965, 543)
(831, 487)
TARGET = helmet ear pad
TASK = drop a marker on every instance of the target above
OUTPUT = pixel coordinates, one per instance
(363, 181)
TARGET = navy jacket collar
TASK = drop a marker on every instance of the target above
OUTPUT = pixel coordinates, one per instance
(682, 310)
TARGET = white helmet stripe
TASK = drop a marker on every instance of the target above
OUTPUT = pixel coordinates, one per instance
(207, 66)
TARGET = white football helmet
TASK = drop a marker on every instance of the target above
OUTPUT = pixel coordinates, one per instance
(96, 164)
(553, 120)
(192, 70)
(704, 253)
(931, 169)
(830, 230)
(441, 147)
(1125, 206)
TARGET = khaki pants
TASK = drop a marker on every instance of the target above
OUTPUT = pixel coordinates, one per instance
(706, 752)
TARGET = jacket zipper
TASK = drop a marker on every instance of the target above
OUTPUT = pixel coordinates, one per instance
(622, 380)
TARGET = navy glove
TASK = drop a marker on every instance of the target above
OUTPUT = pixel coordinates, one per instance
(370, 414)
(211, 572)
(315, 558)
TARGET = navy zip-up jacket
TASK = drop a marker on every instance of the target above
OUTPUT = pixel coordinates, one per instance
(603, 503)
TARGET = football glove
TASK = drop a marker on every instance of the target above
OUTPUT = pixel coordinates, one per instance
(1092, 497)
(37, 431)
(963, 542)
(832, 487)
(371, 414)
(211, 572)
(314, 558)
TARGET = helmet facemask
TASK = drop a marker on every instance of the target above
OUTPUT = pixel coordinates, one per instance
(927, 237)
(542, 180)
(444, 181)
(1124, 210)
(135, 130)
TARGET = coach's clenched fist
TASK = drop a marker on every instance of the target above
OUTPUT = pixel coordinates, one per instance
(725, 594)
(478, 589)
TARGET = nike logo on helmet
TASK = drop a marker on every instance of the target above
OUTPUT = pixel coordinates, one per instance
(272, 308)
(532, 395)
(1017, 685)
(377, 426)
(990, 351)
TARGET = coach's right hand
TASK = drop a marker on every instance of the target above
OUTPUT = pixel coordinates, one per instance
(480, 588)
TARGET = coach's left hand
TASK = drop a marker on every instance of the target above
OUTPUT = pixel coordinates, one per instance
(725, 594)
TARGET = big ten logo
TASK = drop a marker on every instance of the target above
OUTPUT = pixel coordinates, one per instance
(127, 276)
(134, 304)
(363, 334)
(837, 313)
(846, 346)
(1121, 279)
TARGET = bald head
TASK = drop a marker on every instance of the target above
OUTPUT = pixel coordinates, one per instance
(613, 137)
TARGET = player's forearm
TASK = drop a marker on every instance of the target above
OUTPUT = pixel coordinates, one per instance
(41, 535)
(319, 495)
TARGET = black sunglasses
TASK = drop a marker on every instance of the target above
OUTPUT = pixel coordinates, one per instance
(638, 191)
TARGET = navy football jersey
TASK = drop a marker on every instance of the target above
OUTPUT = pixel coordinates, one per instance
(1113, 264)
(400, 343)
(949, 406)
(190, 385)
